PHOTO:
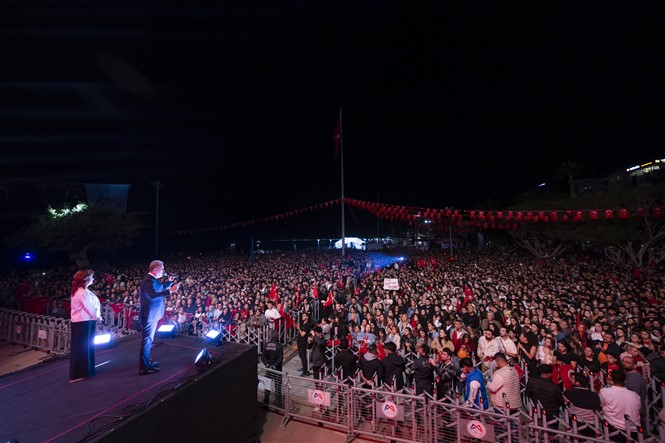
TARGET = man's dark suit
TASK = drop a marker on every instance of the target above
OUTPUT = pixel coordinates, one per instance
(151, 294)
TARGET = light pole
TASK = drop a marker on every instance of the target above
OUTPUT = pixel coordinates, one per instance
(156, 184)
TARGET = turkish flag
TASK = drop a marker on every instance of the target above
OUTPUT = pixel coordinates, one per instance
(288, 320)
(272, 295)
(329, 300)
(563, 374)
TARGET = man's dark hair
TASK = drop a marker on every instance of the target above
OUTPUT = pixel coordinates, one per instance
(619, 377)
(318, 329)
(344, 345)
(425, 348)
(448, 351)
(390, 346)
(467, 362)
(581, 380)
(371, 348)
(500, 356)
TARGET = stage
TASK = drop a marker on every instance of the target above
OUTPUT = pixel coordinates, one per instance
(39, 404)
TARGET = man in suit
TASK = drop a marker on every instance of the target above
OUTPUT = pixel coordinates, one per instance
(151, 294)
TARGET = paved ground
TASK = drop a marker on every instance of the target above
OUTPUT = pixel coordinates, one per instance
(15, 358)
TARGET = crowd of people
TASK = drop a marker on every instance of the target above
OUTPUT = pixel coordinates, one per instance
(568, 315)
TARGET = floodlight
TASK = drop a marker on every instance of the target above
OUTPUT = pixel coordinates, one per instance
(203, 359)
(214, 337)
(102, 339)
(166, 331)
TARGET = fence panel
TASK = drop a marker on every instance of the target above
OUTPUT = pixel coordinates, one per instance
(388, 415)
(317, 402)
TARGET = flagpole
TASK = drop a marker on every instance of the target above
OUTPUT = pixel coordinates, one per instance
(341, 145)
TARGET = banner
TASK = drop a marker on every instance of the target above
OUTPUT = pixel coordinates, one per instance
(391, 284)
(112, 197)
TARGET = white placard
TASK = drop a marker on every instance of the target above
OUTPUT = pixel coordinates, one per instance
(391, 284)
(265, 383)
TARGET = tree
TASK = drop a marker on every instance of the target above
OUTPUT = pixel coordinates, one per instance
(636, 241)
(78, 231)
(568, 171)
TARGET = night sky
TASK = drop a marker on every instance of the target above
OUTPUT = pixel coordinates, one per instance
(232, 104)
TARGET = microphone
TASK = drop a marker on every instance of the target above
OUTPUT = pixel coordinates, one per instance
(166, 274)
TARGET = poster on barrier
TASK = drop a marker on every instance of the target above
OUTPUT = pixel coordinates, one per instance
(265, 383)
(318, 398)
(476, 429)
(389, 410)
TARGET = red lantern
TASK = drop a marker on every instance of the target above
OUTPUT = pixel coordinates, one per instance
(658, 212)
(624, 213)
(472, 215)
(520, 216)
(593, 214)
(564, 218)
(609, 214)
(579, 216)
(481, 215)
(529, 216)
(554, 216)
(641, 212)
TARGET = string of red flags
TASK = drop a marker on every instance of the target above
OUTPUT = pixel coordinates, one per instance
(458, 219)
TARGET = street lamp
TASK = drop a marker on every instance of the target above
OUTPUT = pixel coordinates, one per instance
(156, 184)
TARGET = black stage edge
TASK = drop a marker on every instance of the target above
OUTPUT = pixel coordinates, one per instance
(180, 403)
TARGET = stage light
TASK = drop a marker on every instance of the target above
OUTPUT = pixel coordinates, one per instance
(102, 339)
(214, 337)
(166, 331)
(203, 360)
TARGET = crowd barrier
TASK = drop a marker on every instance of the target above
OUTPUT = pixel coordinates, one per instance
(53, 334)
(379, 414)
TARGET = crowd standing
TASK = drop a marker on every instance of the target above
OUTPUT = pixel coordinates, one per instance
(554, 318)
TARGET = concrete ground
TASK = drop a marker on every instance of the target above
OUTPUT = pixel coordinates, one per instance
(16, 358)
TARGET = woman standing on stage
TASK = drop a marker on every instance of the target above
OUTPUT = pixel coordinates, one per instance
(86, 310)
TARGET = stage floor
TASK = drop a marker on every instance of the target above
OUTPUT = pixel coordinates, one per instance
(39, 404)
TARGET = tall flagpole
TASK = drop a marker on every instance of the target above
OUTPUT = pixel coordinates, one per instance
(341, 148)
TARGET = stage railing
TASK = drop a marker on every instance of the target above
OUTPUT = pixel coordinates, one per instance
(53, 334)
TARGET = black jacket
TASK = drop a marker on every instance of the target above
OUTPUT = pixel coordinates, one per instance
(543, 390)
(393, 368)
(348, 361)
(370, 365)
(423, 374)
(273, 355)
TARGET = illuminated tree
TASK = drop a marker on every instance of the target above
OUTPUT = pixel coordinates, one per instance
(79, 230)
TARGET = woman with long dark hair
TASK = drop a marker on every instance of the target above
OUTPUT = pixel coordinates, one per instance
(527, 348)
(85, 311)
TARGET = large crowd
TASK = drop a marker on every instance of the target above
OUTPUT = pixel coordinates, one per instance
(577, 311)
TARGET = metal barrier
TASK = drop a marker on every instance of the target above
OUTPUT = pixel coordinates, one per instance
(454, 422)
(317, 402)
(50, 334)
(383, 415)
(378, 413)
(271, 389)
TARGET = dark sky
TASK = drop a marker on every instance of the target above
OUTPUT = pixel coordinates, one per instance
(232, 104)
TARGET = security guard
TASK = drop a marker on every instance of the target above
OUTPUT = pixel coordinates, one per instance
(272, 358)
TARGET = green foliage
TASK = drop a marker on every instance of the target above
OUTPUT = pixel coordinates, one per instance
(95, 229)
